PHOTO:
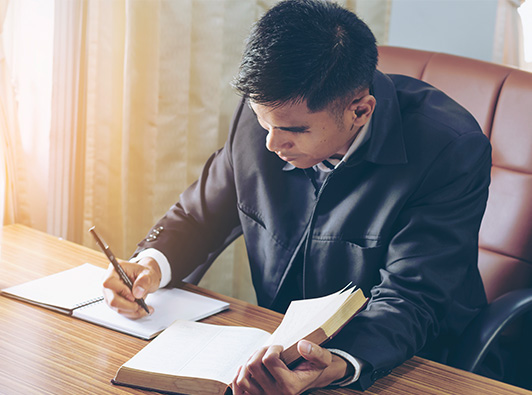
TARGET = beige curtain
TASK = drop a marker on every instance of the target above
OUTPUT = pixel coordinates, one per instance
(508, 39)
(158, 103)
(13, 179)
(141, 99)
(525, 12)
(376, 13)
(6, 97)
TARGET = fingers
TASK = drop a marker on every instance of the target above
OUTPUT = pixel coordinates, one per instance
(245, 384)
(266, 373)
(275, 367)
(318, 356)
(118, 295)
(320, 364)
(152, 271)
(254, 377)
(142, 284)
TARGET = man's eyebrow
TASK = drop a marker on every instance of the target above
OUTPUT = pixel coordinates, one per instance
(294, 129)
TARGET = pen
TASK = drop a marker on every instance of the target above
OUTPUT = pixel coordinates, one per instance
(123, 276)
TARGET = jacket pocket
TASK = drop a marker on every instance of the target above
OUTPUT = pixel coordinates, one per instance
(332, 263)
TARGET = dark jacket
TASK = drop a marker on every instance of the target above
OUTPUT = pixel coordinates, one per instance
(400, 219)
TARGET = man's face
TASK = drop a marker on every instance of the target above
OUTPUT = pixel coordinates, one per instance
(302, 138)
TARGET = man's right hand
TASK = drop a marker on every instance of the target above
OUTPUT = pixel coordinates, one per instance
(146, 277)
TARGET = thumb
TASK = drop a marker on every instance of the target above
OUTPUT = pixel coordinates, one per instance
(315, 354)
(141, 284)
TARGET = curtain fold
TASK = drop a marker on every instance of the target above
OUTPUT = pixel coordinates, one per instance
(67, 127)
(103, 127)
(151, 86)
(13, 174)
(376, 14)
(508, 38)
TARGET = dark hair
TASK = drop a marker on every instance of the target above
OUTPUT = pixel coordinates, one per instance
(307, 50)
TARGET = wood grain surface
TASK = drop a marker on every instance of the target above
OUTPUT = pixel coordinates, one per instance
(44, 352)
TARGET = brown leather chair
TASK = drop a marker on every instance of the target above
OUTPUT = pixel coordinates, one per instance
(501, 100)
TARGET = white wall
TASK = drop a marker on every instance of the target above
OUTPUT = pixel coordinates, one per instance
(458, 27)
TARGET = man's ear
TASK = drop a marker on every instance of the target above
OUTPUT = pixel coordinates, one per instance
(362, 108)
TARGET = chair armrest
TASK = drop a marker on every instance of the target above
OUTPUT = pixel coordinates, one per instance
(479, 335)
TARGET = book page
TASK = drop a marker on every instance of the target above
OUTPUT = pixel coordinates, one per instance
(303, 316)
(64, 290)
(169, 304)
(194, 349)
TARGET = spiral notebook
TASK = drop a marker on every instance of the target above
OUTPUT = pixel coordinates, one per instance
(77, 292)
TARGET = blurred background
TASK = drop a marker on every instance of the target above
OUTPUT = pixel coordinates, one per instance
(109, 108)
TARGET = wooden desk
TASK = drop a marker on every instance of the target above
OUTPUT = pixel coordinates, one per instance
(43, 352)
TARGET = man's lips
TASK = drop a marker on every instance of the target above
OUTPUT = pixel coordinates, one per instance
(286, 158)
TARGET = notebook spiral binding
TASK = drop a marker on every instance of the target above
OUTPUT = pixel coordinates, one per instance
(88, 302)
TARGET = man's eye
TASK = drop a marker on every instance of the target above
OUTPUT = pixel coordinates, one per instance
(296, 130)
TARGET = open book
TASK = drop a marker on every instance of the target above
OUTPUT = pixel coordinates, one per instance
(196, 358)
(78, 292)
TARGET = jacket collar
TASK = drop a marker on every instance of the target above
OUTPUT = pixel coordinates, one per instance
(386, 145)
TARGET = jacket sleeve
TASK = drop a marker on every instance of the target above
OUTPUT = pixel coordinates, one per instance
(205, 219)
(430, 283)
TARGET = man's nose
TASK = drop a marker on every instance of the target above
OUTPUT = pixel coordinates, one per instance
(278, 140)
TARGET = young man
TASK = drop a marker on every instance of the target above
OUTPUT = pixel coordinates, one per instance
(334, 173)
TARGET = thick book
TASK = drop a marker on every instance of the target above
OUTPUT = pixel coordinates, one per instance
(198, 358)
(78, 292)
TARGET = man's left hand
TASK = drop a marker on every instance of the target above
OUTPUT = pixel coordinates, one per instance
(266, 373)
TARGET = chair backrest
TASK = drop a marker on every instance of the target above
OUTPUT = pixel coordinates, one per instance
(500, 98)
